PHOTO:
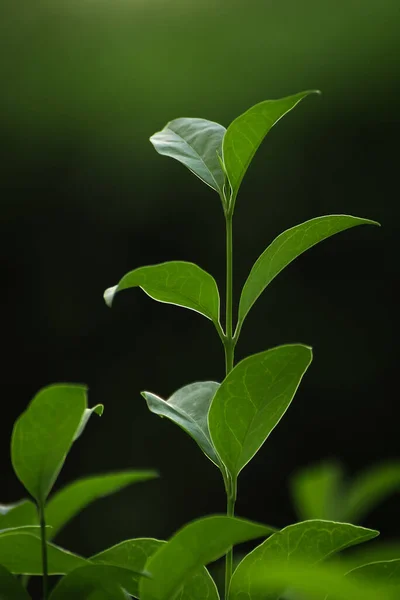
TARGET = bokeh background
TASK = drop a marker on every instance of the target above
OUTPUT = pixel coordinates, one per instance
(85, 198)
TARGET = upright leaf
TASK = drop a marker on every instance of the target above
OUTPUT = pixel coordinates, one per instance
(178, 282)
(309, 541)
(197, 544)
(252, 400)
(103, 580)
(317, 492)
(71, 499)
(245, 134)
(196, 143)
(43, 435)
(10, 587)
(285, 248)
(134, 554)
(188, 408)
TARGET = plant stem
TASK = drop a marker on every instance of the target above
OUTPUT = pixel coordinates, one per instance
(42, 521)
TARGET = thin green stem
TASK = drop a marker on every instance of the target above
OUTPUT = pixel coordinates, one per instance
(230, 511)
(42, 521)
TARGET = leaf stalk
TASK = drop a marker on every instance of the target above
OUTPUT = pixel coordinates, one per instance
(42, 521)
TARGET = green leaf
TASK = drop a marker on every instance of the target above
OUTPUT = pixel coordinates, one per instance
(21, 554)
(386, 573)
(104, 581)
(196, 143)
(370, 488)
(178, 282)
(197, 544)
(43, 435)
(252, 400)
(71, 499)
(309, 541)
(10, 587)
(188, 408)
(245, 134)
(18, 514)
(316, 492)
(285, 248)
(374, 552)
(134, 554)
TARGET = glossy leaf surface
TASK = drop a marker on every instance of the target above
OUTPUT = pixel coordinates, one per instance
(180, 283)
(285, 248)
(103, 580)
(20, 553)
(308, 541)
(245, 134)
(196, 143)
(134, 554)
(188, 408)
(197, 544)
(251, 401)
(370, 488)
(43, 435)
(10, 587)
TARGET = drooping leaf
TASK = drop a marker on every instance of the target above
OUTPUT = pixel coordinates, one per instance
(197, 544)
(188, 408)
(196, 143)
(251, 401)
(177, 282)
(309, 541)
(245, 134)
(103, 580)
(10, 587)
(43, 435)
(71, 499)
(317, 492)
(386, 573)
(134, 554)
(21, 554)
(18, 514)
(370, 488)
(285, 248)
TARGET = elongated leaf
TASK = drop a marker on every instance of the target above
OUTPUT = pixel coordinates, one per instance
(18, 514)
(386, 573)
(317, 492)
(309, 541)
(21, 554)
(251, 401)
(103, 580)
(10, 587)
(196, 143)
(70, 500)
(246, 132)
(44, 433)
(285, 248)
(370, 488)
(178, 282)
(134, 554)
(195, 545)
(188, 408)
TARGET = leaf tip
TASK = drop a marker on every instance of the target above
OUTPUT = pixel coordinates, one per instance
(109, 295)
(98, 409)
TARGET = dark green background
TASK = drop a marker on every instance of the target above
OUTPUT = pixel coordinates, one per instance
(85, 198)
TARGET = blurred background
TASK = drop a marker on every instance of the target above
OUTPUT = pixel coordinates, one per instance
(85, 198)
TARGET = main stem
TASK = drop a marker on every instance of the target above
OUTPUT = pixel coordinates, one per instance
(229, 347)
(45, 580)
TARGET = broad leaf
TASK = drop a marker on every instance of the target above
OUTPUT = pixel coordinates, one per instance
(10, 587)
(18, 514)
(309, 541)
(386, 573)
(317, 492)
(285, 248)
(188, 408)
(196, 143)
(21, 554)
(197, 544)
(104, 581)
(43, 435)
(134, 554)
(252, 400)
(71, 499)
(246, 132)
(178, 282)
(370, 488)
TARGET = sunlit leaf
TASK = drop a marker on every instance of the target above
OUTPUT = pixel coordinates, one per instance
(317, 491)
(196, 143)
(197, 544)
(188, 408)
(370, 488)
(246, 132)
(309, 541)
(178, 282)
(251, 401)
(285, 248)
(10, 587)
